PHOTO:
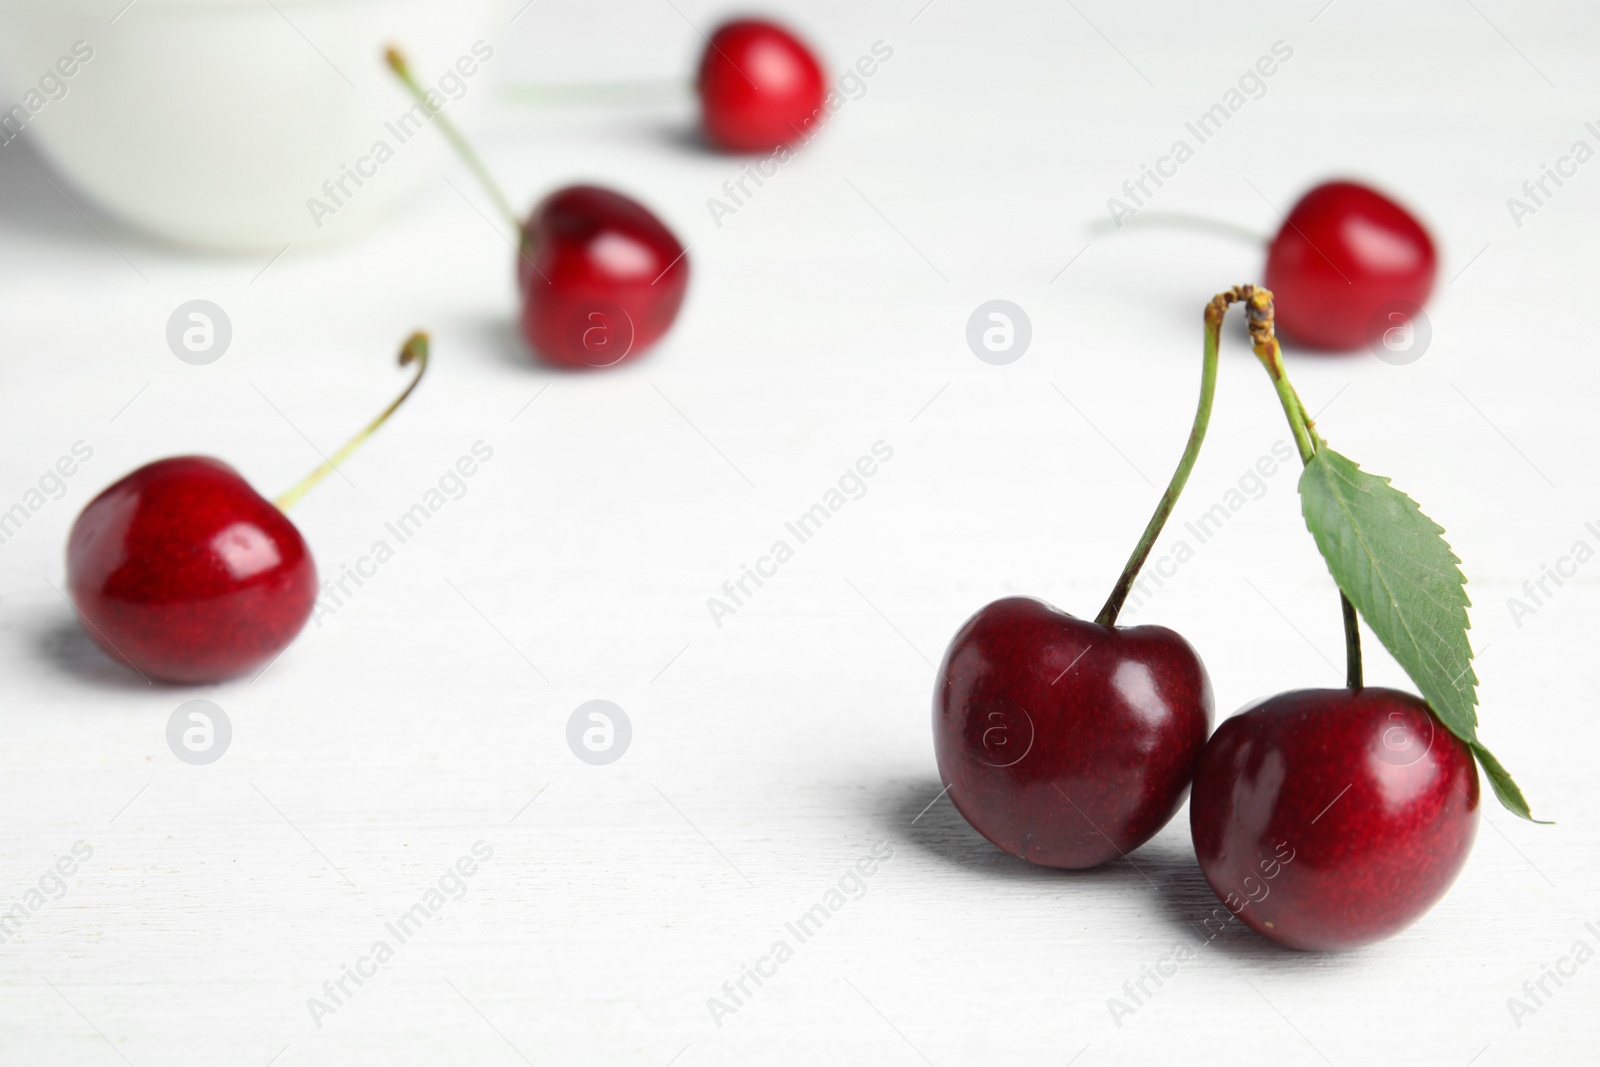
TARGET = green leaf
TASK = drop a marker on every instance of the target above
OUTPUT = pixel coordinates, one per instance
(1504, 788)
(1394, 564)
(1392, 561)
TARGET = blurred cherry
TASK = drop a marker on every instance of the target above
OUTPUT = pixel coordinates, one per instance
(1346, 253)
(185, 573)
(760, 87)
(601, 277)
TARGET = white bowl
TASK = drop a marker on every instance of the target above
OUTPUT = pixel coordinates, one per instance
(239, 124)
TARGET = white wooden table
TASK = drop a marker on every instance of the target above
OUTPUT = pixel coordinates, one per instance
(769, 754)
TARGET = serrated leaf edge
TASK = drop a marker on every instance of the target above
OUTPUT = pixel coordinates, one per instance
(1504, 787)
(1383, 583)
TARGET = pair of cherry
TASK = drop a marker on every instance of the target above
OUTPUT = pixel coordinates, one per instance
(1070, 743)
(1321, 818)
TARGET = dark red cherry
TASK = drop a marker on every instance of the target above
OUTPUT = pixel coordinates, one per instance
(1345, 255)
(760, 87)
(602, 278)
(1062, 741)
(185, 573)
(1331, 818)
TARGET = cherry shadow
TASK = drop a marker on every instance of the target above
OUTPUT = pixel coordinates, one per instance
(686, 136)
(683, 135)
(1163, 870)
(918, 811)
(62, 646)
(499, 336)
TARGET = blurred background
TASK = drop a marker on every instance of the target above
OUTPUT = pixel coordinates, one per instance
(826, 313)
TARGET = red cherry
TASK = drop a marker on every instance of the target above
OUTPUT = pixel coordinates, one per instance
(760, 87)
(1331, 818)
(1345, 254)
(185, 573)
(1063, 741)
(601, 277)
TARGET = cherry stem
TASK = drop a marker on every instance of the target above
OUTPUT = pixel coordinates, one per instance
(415, 350)
(1264, 340)
(1191, 452)
(1352, 643)
(641, 90)
(397, 63)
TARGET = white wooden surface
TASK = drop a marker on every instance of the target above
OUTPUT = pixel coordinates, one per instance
(771, 753)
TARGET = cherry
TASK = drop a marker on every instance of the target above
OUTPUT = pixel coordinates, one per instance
(1067, 742)
(601, 277)
(185, 573)
(1063, 741)
(1332, 818)
(1346, 255)
(760, 87)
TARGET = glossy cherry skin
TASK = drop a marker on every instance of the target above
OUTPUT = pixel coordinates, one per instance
(1344, 254)
(185, 573)
(1062, 741)
(601, 277)
(760, 87)
(1332, 818)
